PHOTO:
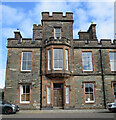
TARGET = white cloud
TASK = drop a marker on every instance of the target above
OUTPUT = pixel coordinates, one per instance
(11, 15)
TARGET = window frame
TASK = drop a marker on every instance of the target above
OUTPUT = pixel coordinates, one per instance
(91, 101)
(66, 60)
(22, 61)
(25, 102)
(90, 61)
(58, 59)
(49, 59)
(47, 95)
(114, 61)
(55, 32)
(68, 95)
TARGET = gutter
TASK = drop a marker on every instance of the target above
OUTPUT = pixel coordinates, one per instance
(103, 84)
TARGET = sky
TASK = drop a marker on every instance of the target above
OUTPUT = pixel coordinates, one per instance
(23, 15)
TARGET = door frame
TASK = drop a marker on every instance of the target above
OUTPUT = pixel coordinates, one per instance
(58, 80)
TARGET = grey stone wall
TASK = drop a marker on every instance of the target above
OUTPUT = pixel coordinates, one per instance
(15, 77)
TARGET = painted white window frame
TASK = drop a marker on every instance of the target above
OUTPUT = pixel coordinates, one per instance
(67, 95)
(66, 58)
(27, 61)
(91, 61)
(48, 95)
(57, 33)
(21, 92)
(49, 59)
(53, 60)
(112, 61)
(91, 101)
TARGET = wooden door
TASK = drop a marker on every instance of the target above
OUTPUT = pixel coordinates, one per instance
(58, 96)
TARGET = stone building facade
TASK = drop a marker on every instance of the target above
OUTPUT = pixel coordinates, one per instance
(53, 70)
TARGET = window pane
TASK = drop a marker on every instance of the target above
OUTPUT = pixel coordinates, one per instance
(30, 56)
(56, 55)
(25, 56)
(60, 63)
(55, 63)
(27, 97)
(57, 30)
(60, 54)
(24, 65)
(24, 89)
(29, 64)
(87, 97)
(27, 88)
(23, 97)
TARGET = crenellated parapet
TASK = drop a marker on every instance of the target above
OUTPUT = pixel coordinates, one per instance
(104, 43)
(57, 16)
(37, 31)
(23, 43)
(62, 41)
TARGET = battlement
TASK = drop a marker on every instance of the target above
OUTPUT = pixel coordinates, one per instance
(57, 16)
(37, 26)
(23, 43)
(104, 43)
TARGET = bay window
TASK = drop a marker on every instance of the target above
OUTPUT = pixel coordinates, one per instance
(57, 58)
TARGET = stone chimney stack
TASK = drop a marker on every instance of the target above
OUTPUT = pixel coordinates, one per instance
(17, 34)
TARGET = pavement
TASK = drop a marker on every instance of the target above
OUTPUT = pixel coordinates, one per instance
(92, 114)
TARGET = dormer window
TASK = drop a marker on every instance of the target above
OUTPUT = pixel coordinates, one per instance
(57, 33)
